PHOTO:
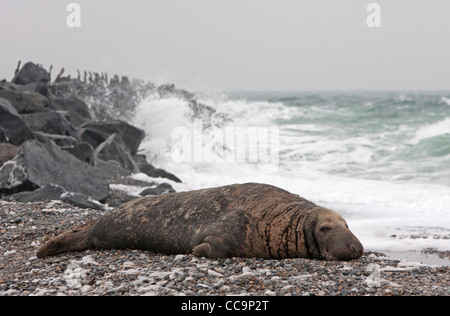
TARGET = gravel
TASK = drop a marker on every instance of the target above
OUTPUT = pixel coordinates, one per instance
(24, 227)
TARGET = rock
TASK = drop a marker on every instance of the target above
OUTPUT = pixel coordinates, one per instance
(31, 73)
(112, 169)
(40, 87)
(118, 197)
(98, 132)
(2, 136)
(163, 188)
(13, 179)
(50, 122)
(374, 279)
(167, 89)
(114, 149)
(81, 201)
(7, 152)
(82, 151)
(47, 193)
(92, 137)
(39, 164)
(151, 171)
(59, 140)
(26, 101)
(63, 89)
(15, 131)
(53, 192)
(77, 110)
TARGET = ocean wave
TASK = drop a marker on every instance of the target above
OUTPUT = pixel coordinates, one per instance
(433, 130)
(445, 100)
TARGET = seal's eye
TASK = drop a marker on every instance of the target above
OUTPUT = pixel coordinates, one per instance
(325, 229)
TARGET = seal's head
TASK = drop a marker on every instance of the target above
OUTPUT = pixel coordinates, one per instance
(328, 237)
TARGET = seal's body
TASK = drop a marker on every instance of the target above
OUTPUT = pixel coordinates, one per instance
(242, 220)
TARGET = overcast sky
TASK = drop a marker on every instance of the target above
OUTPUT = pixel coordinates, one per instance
(237, 44)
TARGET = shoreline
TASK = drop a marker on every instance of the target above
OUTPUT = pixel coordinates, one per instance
(435, 258)
(26, 226)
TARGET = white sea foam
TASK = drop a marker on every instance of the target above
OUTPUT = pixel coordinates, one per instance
(445, 100)
(159, 117)
(433, 130)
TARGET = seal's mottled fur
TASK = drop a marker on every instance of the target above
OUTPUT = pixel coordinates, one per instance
(242, 220)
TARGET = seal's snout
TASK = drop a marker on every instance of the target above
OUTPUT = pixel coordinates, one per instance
(356, 250)
(346, 251)
(353, 250)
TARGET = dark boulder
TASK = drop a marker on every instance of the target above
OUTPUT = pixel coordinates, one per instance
(153, 172)
(81, 201)
(78, 111)
(118, 197)
(2, 136)
(114, 149)
(59, 140)
(48, 193)
(7, 152)
(82, 151)
(163, 188)
(39, 164)
(26, 101)
(50, 122)
(13, 179)
(39, 87)
(92, 136)
(15, 131)
(63, 89)
(97, 132)
(31, 73)
(112, 169)
(166, 90)
(53, 192)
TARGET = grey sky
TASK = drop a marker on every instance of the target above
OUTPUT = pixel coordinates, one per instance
(237, 44)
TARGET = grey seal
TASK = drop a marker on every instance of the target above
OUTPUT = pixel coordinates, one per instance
(241, 220)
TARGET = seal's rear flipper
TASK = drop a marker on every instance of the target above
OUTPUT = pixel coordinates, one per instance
(78, 239)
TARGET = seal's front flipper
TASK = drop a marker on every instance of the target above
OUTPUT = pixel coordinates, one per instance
(78, 239)
(213, 247)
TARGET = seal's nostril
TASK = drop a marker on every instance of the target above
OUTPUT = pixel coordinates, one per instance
(356, 250)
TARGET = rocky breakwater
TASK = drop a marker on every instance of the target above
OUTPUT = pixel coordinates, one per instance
(63, 141)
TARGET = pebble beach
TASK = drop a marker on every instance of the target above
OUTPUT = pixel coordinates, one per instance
(26, 226)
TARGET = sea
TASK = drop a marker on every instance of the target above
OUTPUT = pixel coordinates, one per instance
(380, 159)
